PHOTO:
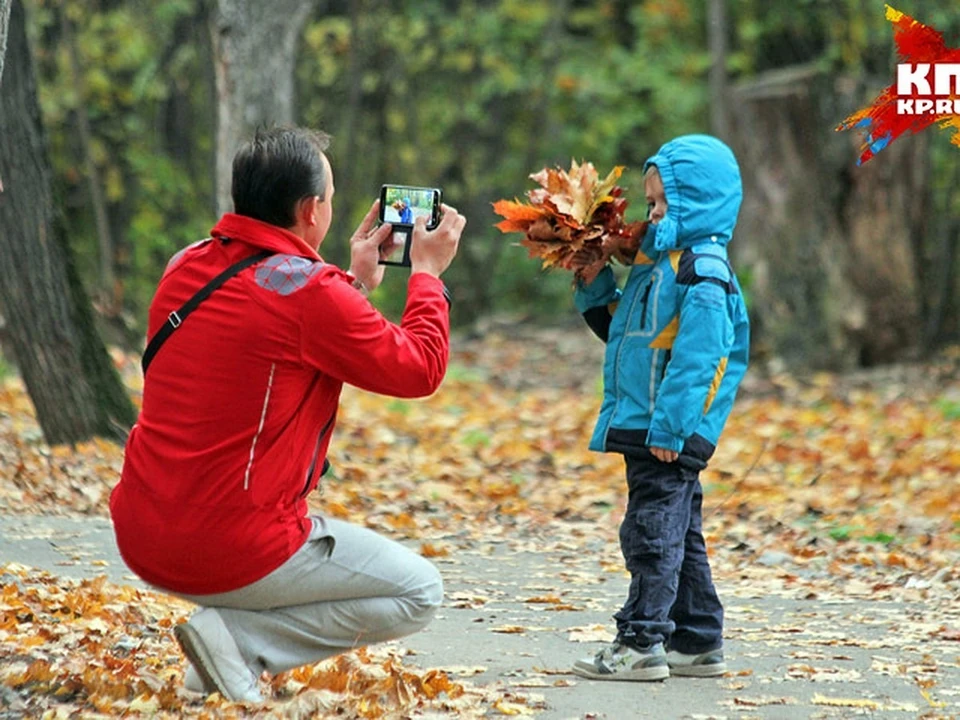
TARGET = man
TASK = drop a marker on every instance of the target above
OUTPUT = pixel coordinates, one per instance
(238, 408)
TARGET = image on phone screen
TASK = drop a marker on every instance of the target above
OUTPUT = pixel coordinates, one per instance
(403, 204)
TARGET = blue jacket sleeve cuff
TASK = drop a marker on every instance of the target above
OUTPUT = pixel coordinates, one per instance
(602, 291)
(661, 439)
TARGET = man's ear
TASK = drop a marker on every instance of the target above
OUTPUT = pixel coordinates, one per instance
(306, 210)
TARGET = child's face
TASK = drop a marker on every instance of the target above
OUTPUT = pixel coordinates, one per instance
(656, 199)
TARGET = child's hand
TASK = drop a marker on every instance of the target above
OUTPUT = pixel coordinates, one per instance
(590, 260)
(664, 455)
(624, 248)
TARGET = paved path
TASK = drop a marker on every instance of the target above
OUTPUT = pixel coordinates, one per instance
(789, 657)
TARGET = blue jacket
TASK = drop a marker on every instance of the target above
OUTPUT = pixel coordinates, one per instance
(406, 216)
(678, 334)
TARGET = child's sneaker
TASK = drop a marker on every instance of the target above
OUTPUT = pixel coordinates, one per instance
(622, 662)
(707, 664)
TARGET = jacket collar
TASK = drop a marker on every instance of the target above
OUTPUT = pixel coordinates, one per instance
(262, 235)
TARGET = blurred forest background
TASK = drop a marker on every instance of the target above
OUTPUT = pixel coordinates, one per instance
(142, 103)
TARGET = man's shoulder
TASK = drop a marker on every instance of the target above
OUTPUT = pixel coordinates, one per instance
(183, 254)
(284, 275)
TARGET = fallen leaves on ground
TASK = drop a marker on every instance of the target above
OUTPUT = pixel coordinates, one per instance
(92, 647)
(828, 487)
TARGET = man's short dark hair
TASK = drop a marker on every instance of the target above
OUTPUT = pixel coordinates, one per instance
(275, 170)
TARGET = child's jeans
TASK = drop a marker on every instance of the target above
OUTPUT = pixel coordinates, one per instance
(672, 598)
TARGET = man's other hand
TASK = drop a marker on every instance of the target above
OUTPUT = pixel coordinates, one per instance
(432, 251)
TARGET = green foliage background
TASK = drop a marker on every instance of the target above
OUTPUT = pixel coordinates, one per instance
(469, 96)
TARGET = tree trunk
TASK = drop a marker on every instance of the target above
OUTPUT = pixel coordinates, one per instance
(70, 376)
(717, 41)
(941, 253)
(4, 22)
(254, 50)
(350, 130)
(826, 247)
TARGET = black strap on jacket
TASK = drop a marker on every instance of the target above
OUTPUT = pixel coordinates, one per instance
(176, 318)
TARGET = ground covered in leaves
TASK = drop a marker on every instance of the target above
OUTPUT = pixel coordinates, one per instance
(824, 487)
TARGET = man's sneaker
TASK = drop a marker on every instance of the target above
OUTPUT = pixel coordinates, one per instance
(214, 654)
(622, 662)
(707, 664)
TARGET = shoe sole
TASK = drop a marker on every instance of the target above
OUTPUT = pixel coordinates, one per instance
(192, 645)
(711, 670)
(648, 674)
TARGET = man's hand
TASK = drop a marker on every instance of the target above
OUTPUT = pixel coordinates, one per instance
(432, 251)
(664, 455)
(365, 248)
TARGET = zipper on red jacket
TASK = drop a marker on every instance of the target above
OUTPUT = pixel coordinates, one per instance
(316, 454)
(256, 436)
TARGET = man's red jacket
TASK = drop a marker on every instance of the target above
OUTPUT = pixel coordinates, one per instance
(240, 402)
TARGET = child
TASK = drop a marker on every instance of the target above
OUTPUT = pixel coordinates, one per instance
(406, 213)
(677, 344)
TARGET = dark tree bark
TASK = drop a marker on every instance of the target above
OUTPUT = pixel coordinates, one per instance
(939, 274)
(70, 376)
(717, 41)
(350, 130)
(254, 49)
(827, 247)
(4, 21)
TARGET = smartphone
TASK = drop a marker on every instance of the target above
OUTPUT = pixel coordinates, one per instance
(400, 205)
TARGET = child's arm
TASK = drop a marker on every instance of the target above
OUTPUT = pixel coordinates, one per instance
(597, 301)
(698, 362)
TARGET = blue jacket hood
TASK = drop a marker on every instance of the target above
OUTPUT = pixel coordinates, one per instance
(701, 181)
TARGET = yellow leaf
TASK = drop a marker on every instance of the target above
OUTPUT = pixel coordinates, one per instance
(590, 634)
(819, 699)
(147, 705)
(509, 629)
(544, 599)
(509, 708)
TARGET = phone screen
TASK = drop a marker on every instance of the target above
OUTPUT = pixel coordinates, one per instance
(403, 204)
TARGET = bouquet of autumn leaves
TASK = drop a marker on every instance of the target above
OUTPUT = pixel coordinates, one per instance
(574, 220)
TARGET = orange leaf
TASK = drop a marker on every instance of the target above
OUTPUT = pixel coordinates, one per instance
(508, 226)
(428, 551)
(513, 210)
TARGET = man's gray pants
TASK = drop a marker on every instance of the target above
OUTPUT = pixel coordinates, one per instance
(346, 587)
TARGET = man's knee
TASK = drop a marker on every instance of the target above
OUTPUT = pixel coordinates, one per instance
(428, 595)
(432, 589)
